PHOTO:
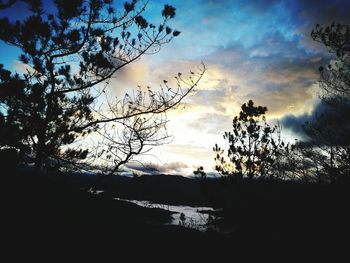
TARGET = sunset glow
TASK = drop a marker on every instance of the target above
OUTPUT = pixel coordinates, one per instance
(261, 51)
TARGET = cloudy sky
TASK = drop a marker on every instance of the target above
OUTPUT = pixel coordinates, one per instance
(258, 50)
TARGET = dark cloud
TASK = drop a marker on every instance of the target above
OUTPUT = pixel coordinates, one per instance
(330, 120)
(151, 168)
(312, 12)
(137, 167)
(306, 11)
(295, 123)
(322, 11)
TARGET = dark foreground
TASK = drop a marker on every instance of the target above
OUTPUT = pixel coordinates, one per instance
(43, 215)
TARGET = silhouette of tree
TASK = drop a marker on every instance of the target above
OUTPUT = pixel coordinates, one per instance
(328, 132)
(335, 80)
(200, 173)
(328, 137)
(15, 125)
(70, 54)
(125, 139)
(133, 137)
(302, 163)
(254, 145)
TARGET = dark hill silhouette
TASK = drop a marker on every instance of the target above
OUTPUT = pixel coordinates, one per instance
(265, 216)
(166, 189)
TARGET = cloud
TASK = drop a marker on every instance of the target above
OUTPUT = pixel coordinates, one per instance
(306, 14)
(322, 11)
(332, 122)
(215, 23)
(152, 168)
(295, 123)
(129, 78)
(221, 100)
(22, 68)
(277, 73)
(260, 51)
(212, 123)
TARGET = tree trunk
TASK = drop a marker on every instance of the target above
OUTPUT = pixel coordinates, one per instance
(39, 152)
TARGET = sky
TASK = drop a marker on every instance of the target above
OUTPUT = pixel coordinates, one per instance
(259, 50)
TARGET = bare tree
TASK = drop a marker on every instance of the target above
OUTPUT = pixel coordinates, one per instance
(126, 138)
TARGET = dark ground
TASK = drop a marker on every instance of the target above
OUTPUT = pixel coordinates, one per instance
(49, 214)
